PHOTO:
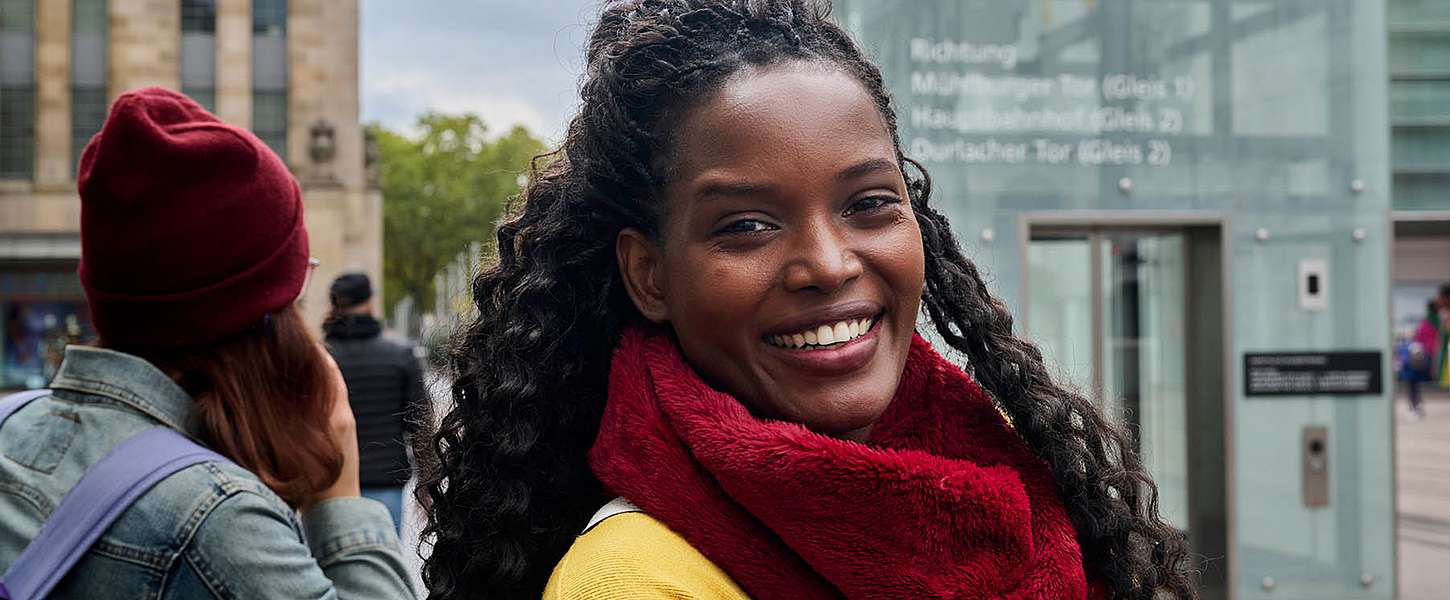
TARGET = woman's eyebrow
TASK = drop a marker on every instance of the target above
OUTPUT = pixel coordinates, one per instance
(725, 189)
(866, 167)
(722, 188)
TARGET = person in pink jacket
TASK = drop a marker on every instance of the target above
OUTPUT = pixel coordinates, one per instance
(1423, 357)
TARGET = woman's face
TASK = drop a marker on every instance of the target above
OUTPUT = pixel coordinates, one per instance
(790, 264)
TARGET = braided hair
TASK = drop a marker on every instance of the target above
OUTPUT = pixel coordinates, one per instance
(510, 487)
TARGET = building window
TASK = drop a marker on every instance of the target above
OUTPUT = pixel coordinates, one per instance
(269, 17)
(1419, 45)
(87, 73)
(17, 89)
(269, 119)
(269, 73)
(198, 51)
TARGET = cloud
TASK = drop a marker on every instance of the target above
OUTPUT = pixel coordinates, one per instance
(514, 62)
(398, 98)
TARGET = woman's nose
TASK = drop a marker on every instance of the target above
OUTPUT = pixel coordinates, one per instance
(822, 261)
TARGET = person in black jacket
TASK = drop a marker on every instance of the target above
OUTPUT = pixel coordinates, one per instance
(385, 386)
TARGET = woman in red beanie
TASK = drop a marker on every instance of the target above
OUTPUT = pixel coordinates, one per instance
(193, 256)
(702, 331)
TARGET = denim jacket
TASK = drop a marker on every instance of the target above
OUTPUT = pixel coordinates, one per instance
(211, 530)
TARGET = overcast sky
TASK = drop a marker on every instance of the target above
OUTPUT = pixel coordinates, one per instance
(510, 61)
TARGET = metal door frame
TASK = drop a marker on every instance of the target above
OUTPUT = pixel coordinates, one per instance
(1095, 223)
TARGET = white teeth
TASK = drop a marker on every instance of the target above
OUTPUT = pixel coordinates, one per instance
(824, 335)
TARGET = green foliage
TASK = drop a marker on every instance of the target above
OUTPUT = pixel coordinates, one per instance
(444, 187)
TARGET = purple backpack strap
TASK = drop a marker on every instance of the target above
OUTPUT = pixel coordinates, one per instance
(105, 491)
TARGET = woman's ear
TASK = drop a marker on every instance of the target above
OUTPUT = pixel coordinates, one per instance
(640, 265)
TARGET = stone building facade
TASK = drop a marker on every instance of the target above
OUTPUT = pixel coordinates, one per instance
(288, 69)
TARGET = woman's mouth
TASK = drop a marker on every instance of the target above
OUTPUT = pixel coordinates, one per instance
(825, 336)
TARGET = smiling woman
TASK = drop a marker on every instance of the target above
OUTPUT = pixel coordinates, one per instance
(706, 311)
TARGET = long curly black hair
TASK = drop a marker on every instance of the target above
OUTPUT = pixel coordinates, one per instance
(511, 487)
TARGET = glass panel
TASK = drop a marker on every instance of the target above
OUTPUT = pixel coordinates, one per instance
(1421, 148)
(88, 112)
(1304, 551)
(269, 63)
(1260, 59)
(88, 74)
(269, 73)
(17, 58)
(1059, 316)
(17, 132)
(1143, 356)
(89, 16)
(269, 120)
(206, 97)
(1422, 191)
(1421, 99)
(88, 59)
(17, 90)
(269, 17)
(1419, 52)
(198, 51)
(1414, 12)
(198, 16)
(17, 15)
(198, 60)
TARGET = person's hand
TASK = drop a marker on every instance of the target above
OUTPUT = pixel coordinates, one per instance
(343, 429)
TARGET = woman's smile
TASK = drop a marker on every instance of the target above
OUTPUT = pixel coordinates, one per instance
(833, 341)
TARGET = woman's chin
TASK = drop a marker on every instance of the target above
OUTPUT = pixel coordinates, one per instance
(846, 418)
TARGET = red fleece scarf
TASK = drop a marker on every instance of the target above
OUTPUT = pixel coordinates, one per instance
(945, 501)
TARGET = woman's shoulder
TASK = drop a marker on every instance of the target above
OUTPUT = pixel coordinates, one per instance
(632, 555)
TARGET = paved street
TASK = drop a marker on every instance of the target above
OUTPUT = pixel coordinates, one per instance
(1424, 502)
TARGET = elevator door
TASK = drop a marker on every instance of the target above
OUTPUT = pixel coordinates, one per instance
(1132, 318)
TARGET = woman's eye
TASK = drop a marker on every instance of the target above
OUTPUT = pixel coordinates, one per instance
(871, 203)
(746, 226)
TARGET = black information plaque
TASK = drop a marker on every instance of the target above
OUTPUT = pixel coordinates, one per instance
(1313, 373)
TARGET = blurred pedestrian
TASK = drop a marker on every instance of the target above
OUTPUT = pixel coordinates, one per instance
(207, 442)
(1421, 356)
(385, 387)
(694, 370)
(1441, 372)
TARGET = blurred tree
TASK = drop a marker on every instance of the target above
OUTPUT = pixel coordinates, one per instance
(444, 187)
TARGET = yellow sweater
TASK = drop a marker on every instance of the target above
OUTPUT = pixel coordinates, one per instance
(632, 556)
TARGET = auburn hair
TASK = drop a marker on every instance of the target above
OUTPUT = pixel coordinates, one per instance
(264, 400)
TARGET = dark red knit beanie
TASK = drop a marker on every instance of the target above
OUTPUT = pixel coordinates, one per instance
(191, 229)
